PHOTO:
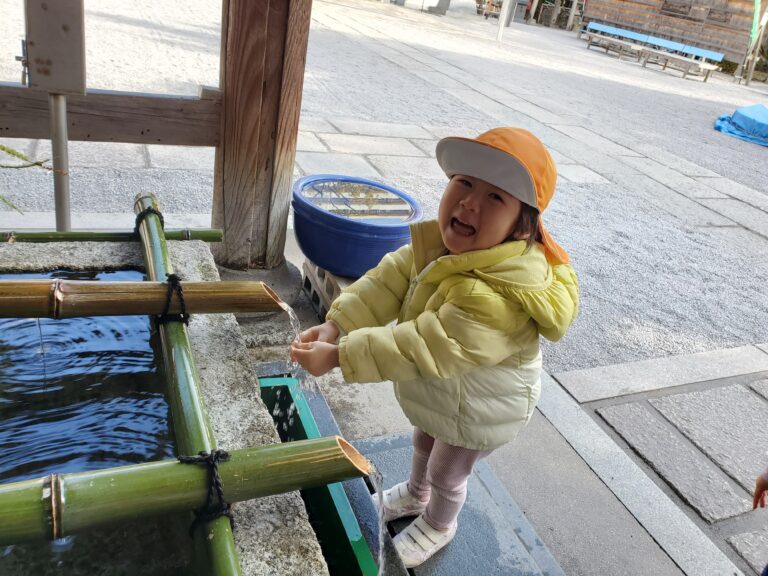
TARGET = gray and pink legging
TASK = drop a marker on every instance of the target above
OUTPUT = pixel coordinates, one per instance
(439, 473)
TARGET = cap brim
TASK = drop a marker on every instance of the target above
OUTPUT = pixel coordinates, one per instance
(472, 158)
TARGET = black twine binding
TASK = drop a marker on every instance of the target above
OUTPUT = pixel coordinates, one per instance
(215, 504)
(143, 214)
(174, 286)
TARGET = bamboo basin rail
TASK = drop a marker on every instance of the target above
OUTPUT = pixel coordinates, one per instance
(71, 298)
(214, 547)
(204, 234)
(60, 505)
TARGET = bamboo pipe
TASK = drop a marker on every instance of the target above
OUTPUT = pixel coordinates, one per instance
(214, 547)
(73, 298)
(204, 234)
(60, 505)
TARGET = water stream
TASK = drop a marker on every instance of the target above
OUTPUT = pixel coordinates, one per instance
(377, 481)
(309, 383)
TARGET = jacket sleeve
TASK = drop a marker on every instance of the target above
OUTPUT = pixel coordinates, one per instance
(554, 307)
(376, 298)
(464, 333)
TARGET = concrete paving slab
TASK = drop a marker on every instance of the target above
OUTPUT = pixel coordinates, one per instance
(691, 474)
(673, 179)
(98, 154)
(579, 174)
(585, 155)
(741, 213)
(357, 144)
(492, 537)
(398, 166)
(690, 212)
(727, 424)
(593, 139)
(465, 131)
(385, 129)
(426, 146)
(752, 547)
(182, 157)
(738, 191)
(439, 79)
(680, 538)
(675, 162)
(308, 142)
(761, 387)
(334, 163)
(581, 521)
(560, 158)
(315, 124)
(633, 377)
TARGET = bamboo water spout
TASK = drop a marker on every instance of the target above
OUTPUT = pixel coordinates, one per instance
(60, 505)
(71, 298)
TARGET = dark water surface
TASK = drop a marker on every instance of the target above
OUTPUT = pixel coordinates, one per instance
(80, 393)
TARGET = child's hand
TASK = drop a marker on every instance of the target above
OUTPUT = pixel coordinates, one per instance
(325, 332)
(316, 357)
(761, 491)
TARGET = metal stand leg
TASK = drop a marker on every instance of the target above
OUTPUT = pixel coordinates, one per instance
(58, 109)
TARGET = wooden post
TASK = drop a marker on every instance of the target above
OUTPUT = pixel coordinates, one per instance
(262, 68)
(287, 127)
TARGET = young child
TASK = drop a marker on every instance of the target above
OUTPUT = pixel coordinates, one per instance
(470, 294)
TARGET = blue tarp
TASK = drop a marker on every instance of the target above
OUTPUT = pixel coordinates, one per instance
(749, 123)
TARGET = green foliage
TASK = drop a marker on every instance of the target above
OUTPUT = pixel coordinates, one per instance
(28, 163)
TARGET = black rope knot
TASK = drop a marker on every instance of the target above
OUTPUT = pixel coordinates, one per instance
(143, 214)
(215, 504)
(174, 287)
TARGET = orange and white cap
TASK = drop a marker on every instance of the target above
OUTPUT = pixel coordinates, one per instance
(513, 160)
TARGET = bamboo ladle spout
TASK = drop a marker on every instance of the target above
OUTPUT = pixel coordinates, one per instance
(71, 298)
(62, 504)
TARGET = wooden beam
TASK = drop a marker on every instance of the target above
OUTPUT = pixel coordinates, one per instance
(109, 116)
(255, 140)
(288, 127)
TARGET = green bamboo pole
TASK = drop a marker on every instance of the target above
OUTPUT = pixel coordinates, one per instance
(213, 542)
(205, 234)
(58, 298)
(61, 505)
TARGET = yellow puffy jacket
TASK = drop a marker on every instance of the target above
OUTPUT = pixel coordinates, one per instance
(464, 354)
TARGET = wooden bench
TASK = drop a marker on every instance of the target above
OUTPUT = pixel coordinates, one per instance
(686, 64)
(613, 44)
(689, 58)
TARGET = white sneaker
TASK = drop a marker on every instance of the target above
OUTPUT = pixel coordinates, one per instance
(399, 502)
(419, 542)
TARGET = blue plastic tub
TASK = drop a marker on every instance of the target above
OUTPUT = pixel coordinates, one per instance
(345, 225)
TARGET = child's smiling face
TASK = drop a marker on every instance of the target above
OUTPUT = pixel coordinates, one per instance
(475, 215)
